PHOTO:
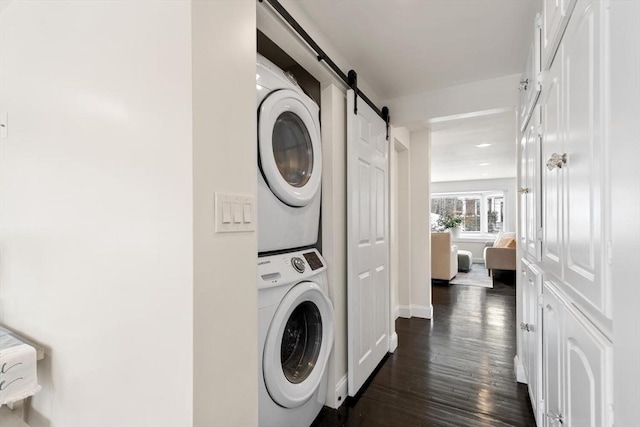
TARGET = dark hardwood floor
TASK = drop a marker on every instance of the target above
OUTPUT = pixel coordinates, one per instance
(453, 370)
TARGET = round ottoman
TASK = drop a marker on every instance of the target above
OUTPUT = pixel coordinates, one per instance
(465, 259)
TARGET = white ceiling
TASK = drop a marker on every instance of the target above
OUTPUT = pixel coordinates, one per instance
(406, 47)
(456, 157)
(403, 47)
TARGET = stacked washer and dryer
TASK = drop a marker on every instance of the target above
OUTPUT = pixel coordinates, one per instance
(295, 316)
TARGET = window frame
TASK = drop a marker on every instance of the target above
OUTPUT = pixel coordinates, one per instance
(484, 195)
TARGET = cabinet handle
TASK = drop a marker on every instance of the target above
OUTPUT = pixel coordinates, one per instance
(524, 84)
(555, 417)
(524, 326)
(557, 161)
(523, 190)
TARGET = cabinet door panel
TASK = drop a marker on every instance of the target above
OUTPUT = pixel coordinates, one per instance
(584, 144)
(523, 184)
(533, 285)
(551, 109)
(552, 356)
(587, 368)
(555, 15)
(533, 186)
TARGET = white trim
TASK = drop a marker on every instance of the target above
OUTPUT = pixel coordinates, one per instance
(518, 370)
(393, 342)
(341, 393)
(421, 311)
(396, 312)
(404, 311)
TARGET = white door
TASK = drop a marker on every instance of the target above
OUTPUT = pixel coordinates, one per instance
(552, 134)
(532, 195)
(587, 373)
(552, 341)
(584, 144)
(367, 242)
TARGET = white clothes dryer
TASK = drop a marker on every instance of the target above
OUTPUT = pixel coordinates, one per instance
(289, 161)
(295, 338)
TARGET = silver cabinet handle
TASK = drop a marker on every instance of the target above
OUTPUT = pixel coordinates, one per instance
(524, 84)
(524, 326)
(555, 417)
(523, 190)
(556, 161)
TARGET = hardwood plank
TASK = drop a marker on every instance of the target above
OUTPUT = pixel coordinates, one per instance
(453, 370)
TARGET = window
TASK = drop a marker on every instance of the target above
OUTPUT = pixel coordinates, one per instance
(481, 213)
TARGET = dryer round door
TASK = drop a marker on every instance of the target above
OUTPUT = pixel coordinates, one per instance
(289, 148)
(298, 345)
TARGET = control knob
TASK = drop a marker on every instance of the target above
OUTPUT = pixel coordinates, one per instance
(298, 264)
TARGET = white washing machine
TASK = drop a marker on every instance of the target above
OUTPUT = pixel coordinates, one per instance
(295, 338)
(289, 161)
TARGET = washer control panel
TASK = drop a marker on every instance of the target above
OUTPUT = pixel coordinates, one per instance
(298, 264)
(292, 267)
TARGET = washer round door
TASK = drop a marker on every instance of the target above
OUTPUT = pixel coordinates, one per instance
(289, 148)
(298, 345)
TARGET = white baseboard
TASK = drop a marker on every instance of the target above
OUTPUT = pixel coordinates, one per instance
(341, 393)
(421, 311)
(396, 312)
(404, 311)
(393, 342)
(518, 370)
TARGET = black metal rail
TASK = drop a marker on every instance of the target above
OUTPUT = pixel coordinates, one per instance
(350, 80)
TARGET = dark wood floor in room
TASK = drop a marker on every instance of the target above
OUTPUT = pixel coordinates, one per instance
(453, 370)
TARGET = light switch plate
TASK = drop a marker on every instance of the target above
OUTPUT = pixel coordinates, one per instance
(234, 213)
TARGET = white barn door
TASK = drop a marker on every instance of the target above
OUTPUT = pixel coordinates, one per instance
(367, 242)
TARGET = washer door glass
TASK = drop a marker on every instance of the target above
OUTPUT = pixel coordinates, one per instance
(289, 149)
(301, 342)
(292, 149)
(297, 345)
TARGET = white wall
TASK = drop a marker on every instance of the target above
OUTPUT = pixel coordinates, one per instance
(625, 202)
(400, 217)
(225, 267)
(96, 206)
(415, 111)
(420, 177)
(334, 231)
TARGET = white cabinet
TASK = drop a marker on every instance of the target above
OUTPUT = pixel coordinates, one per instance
(573, 149)
(555, 15)
(531, 334)
(530, 79)
(577, 366)
(529, 188)
(564, 224)
(587, 373)
(552, 360)
(551, 118)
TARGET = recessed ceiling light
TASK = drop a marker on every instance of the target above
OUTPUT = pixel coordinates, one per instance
(484, 164)
(483, 145)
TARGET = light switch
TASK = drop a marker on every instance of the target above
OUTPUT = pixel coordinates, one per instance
(226, 213)
(247, 213)
(233, 213)
(237, 213)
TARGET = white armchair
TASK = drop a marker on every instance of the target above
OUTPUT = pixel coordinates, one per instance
(444, 257)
